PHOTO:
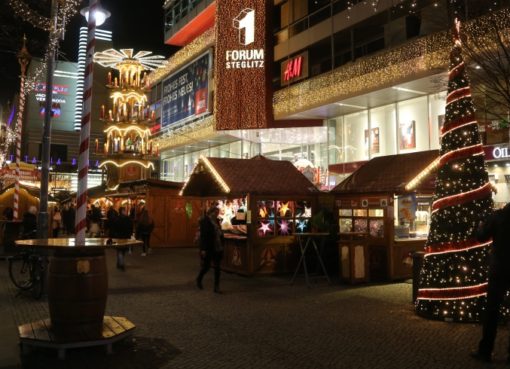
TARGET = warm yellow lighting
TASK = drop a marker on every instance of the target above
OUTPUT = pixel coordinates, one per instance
(423, 174)
(130, 128)
(112, 58)
(216, 175)
(146, 165)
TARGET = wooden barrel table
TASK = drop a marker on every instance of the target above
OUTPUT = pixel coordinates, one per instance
(77, 284)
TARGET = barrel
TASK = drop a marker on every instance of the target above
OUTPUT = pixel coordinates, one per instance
(77, 292)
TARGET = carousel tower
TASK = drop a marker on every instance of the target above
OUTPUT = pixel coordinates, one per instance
(128, 149)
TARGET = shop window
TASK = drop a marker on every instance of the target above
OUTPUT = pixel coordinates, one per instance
(382, 139)
(366, 222)
(413, 127)
(352, 132)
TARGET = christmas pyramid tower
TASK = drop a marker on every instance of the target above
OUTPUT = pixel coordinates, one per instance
(128, 148)
(453, 278)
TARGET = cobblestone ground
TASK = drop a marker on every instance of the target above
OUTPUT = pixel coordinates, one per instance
(261, 322)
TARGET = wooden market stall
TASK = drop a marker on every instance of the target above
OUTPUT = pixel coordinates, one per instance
(175, 217)
(263, 203)
(383, 213)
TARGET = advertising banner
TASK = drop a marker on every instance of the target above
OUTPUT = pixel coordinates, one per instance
(186, 93)
(63, 100)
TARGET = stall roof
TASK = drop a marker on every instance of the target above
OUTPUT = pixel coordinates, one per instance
(213, 177)
(391, 174)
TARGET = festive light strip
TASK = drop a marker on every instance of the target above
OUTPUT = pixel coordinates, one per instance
(146, 165)
(185, 135)
(462, 198)
(216, 175)
(137, 129)
(449, 247)
(423, 174)
(458, 98)
(452, 293)
(183, 56)
(458, 69)
(454, 95)
(461, 153)
(426, 54)
(447, 128)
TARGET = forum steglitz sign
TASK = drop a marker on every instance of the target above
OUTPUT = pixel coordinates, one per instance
(242, 74)
(244, 23)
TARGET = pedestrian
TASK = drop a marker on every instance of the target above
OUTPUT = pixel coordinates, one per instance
(70, 218)
(56, 222)
(144, 227)
(29, 223)
(211, 247)
(111, 218)
(121, 228)
(8, 213)
(495, 227)
(94, 221)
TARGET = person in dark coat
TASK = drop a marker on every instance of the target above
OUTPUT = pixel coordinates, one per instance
(144, 227)
(211, 247)
(29, 223)
(496, 227)
(122, 228)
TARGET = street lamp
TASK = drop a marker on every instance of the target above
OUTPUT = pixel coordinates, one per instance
(86, 121)
(101, 14)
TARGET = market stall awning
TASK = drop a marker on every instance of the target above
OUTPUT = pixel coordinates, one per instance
(213, 177)
(392, 173)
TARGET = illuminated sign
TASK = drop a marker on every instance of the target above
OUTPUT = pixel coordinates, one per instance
(294, 69)
(243, 60)
(500, 152)
(186, 93)
(244, 22)
(63, 101)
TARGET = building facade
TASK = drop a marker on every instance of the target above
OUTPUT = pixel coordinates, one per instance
(350, 81)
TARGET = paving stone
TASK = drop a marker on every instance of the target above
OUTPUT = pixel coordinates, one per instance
(259, 322)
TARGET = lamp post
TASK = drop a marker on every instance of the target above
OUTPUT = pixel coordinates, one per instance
(42, 222)
(93, 19)
(23, 60)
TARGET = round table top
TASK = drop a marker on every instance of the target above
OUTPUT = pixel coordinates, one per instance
(61, 243)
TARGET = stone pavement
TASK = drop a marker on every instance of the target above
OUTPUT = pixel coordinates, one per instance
(260, 322)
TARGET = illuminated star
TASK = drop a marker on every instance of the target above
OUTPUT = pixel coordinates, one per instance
(284, 207)
(284, 227)
(301, 225)
(265, 227)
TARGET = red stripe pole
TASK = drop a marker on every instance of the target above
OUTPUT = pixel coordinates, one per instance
(83, 159)
(23, 59)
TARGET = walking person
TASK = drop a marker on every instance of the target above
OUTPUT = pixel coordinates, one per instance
(122, 227)
(144, 227)
(56, 222)
(496, 226)
(211, 247)
(29, 223)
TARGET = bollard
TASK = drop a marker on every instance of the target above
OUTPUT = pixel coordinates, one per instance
(417, 264)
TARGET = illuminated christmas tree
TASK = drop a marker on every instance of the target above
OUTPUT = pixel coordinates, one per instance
(453, 279)
(128, 148)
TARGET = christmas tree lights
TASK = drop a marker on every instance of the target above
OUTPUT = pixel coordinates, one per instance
(453, 279)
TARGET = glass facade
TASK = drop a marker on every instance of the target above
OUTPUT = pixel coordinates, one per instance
(403, 127)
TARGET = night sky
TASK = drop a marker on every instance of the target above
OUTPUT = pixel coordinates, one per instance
(135, 24)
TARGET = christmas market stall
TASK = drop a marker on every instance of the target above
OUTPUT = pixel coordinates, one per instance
(383, 211)
(263, 204)
(175, 217)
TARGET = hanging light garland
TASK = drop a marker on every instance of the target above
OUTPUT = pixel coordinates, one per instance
(66, 10)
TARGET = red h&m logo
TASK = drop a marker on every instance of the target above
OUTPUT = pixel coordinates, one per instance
(293, 69)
